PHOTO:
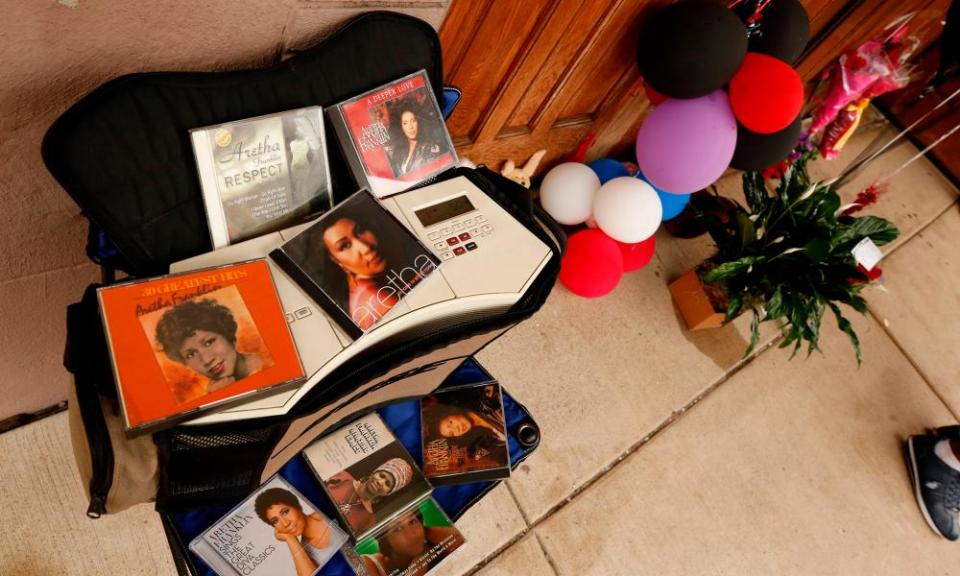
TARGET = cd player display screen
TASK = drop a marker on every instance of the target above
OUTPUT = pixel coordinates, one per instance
(444, 210)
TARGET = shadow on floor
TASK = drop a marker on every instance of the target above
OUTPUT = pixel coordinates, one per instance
(724, 346)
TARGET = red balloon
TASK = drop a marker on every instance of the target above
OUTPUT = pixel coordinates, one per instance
(766, 94)
(592, 265)
(636, 256)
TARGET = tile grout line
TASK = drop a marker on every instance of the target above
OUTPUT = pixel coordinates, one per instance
(529, 529)
(886, 330)
(546, 555)
(673, 417)
(523, 513)
(496, 553)
(509, 543)
(893, 339)
(904, 240)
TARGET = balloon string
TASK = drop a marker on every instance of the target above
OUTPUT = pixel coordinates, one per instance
(757, 12)
(866, 157)
(921, 153)
(760, 7)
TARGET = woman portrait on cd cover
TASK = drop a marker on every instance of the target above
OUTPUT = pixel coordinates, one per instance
(362, 258)
(356, 498)
(410, 544)
(471, 419)
(201, 334)
(308, 536)
(412, 140)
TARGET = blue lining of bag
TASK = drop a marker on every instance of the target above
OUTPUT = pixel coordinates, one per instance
(404, 420)
(451, 97)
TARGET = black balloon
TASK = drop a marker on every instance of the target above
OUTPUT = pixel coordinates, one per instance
(758, 151)
(691, 48)
(784, 31)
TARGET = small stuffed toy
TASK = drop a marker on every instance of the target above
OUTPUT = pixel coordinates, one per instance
(522, 176)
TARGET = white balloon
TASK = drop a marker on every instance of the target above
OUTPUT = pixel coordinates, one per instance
(627, 209)
(567, 192)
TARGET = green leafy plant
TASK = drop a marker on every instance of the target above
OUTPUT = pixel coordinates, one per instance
(787, 257)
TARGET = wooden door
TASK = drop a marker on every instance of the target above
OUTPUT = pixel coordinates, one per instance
(542, 74)
(554, 73)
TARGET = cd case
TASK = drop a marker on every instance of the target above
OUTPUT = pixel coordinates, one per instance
(394, 136)
(411, 544)
(357, 262)
(274, 532)
(186, 343)
(262, 174)
(367, 473)
(464, 434)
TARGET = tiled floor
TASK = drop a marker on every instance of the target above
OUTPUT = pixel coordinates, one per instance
(664, 451)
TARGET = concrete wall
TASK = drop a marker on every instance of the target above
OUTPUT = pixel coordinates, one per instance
(54, 52)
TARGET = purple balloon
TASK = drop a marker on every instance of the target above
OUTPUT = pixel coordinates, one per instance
(685, 145)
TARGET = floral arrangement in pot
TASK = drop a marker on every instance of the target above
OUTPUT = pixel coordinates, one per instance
(787, 257)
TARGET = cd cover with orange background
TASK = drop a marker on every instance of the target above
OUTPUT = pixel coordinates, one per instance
(227, 334)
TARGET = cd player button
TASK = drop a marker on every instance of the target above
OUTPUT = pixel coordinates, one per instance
(434, 235)
(464, 236)
(481, 219)
(446, 255)
(475, 232)
(486, 228)
(302, 312)
(452, 241)
(458, 226)
(468, 222)
(444, 231)
(471, 245)
(439, 245)
(459, 250)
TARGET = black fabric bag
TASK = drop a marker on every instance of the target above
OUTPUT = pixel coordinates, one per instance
(123, 154)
